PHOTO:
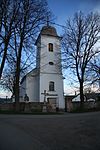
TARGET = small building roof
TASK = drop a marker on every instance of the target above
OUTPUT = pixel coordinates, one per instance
(77, 98)
(95, 96)
(87, 97)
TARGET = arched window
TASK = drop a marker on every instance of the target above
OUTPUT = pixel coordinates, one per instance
(50, 47)
(51, 86)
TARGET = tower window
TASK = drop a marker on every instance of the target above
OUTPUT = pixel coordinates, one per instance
(51, 63)
(50, 47)
(51, 86)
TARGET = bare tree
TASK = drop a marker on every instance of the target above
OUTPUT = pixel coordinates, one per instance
(80, 43)
(1, 14)
(94, 71)
(31, 17)
(8, 15)
(8, 78)
(8, 81)
(20, 22)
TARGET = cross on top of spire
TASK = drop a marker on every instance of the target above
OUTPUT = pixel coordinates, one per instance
(47, 20)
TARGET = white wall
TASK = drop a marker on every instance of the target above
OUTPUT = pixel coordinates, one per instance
(44, 85)
(32, 88)
(51, 72)
(47, 56)
(22, 90)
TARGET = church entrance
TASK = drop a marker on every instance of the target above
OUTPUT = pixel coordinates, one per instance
(52, 102)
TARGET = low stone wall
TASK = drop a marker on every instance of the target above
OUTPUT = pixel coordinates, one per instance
(27, 107)
(6, 107)
(72, 106)
(35, 106)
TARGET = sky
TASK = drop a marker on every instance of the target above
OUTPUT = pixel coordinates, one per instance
(63, 10)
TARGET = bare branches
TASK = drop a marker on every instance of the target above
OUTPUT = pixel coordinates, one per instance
(94, 70)
(80, 42)
(9, 12)
(20, 22)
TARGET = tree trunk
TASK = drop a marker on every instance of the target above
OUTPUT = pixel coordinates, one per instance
(81, 95)
(17, 78)
(17, 87)
(4, 58)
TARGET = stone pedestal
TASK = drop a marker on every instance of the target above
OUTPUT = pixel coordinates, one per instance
(27, 108)
(44, 109)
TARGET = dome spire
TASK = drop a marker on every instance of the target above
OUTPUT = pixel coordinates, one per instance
(47, 21)
(49, 30)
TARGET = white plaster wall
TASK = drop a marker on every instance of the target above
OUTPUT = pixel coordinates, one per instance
(38, 53)
(22, 90)
(44, 85)
(47, 56)
(51, 72)
(32, 89)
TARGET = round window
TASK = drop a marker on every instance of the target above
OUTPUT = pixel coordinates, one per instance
(51, 63)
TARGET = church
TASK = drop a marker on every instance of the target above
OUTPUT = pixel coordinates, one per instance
(45, 82)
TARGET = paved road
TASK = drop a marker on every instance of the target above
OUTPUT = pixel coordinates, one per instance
(50, 132)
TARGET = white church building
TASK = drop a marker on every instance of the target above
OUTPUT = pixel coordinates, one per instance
(45, 82)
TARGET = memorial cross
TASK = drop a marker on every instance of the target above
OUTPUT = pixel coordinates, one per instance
(45, 94)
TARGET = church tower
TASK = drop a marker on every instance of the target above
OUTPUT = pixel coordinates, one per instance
(45, 82)
(48, 64)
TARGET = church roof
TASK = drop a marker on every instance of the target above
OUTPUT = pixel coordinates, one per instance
(49, 30)
(34, 72)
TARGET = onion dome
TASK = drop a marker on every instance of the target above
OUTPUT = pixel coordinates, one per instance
(49, 30)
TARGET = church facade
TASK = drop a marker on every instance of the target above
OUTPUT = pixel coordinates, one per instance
(45, 82)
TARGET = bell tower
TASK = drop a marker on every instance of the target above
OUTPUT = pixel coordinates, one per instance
(49, 65)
